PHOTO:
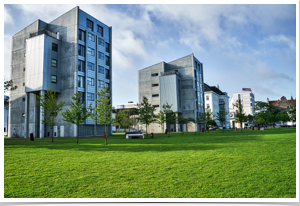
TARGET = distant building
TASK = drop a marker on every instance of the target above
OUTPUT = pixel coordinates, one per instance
(215, 99)
(178, 83)
(129, 105)
(283, 103)
(247, 99)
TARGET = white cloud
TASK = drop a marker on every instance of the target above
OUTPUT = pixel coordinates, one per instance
(281, 40)
(7, 17)
(7, 56)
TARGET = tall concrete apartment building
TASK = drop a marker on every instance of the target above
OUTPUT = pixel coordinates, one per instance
(178, 83)
(247, 99)
(70, 54)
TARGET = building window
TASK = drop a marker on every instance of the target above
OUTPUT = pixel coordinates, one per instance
(107, 60)
(251, 104)
(91, 37)
(90, 81)
(90, 96)
(100, 55)
(100, 30)
(207, 105)
(179, 103)
(81, 35)
(107, 47)
(53, 79)
(23, 84)
(100, 69)
(155, 95)
(207, 97)
(23, 69)
(155, 105)
(81, 81)
(54, 47)
(54, 63)
(90, 51)
(24, 54)
(100, 83)
(81, 50)
(239, 96)
(81, 65)
(90, 66)
(106, 85)
(154, 75)
(106, 74)
(154, 85)
(100, 41)
(196, 64)
(23, 99)
(89, 24)
(23, 114)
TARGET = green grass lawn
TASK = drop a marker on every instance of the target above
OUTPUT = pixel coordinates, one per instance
(248, 164)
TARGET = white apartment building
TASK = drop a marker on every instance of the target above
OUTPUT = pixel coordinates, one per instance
(215, 99)
(248, 106)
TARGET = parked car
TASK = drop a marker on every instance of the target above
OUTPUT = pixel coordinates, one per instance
(212, 128)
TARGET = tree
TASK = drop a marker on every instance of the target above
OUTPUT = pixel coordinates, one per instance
(8, 86)
(272, 115)
(250, 118)
(78, 112)
(181, 120)
(169, 114)
(50, 107)
(207, 117)
(262, 112)
(292, 114)
(103, 110)
(284, 117)
(146, 113)
(240, 116)
(221, 116)
(198, 120)
(161, 119)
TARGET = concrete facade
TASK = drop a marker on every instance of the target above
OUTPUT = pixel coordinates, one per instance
(178, 83)
(248, 100)
(70, 54)
(215, 99)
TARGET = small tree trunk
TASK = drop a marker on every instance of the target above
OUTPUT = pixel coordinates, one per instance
(77, 132)
(146, 131)
(52, 132)
(105, 135)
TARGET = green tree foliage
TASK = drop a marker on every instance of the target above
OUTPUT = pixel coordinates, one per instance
(50, 107)
(272, 115)
(292, 114)
(198, 120)
(250, 118)
(284, 117)
(169, 114)
(77, 113)
(221, 116)
(240, 116)
(8, 86)
(207, 117)
(103, 110)
(146, 113)
(263, 112)
(161, 119)
(181, 120)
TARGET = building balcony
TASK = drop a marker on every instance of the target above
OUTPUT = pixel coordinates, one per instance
(221, 101)
(170, 73)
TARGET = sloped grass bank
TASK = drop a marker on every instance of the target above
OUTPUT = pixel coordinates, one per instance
(248, 164)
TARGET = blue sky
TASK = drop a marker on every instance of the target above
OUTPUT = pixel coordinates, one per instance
(252, 46)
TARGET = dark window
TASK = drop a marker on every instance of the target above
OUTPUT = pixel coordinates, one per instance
(90, 51)
(106, 74)
(154, 85)
(24, 69)
(4, 129)
(155, 106)
(106, 85)
(54, 63)
(90, 66)
(24, 54)
(207, 97)
(100, 69)
(80, 81)
(154, 75)
(81, 50)
(100, 55)
(54, 47)
(23, 114)
(81, 35)
(23, 99)
(81, 65)
(106, 47)
(155, 95)
(107, 60)
(90, 96)
(89, 24)
(100, 41)
(196, 64)
(90, 81)
(100, 30)
(100, 83)
(23, 83)
(251, 105)
(91, 37)
(53, 78)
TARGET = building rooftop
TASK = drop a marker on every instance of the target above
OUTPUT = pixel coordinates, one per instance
(214, 89)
